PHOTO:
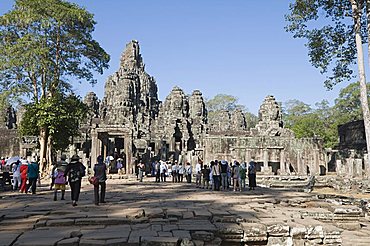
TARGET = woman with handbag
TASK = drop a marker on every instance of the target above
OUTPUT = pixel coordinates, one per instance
(100, 173)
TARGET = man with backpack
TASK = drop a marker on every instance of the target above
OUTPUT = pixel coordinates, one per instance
(59, 179)
(100, 172)
(33, 175)
(75, 171)
(224, 178)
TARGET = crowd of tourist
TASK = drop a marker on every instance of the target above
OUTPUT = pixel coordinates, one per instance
(218, 175)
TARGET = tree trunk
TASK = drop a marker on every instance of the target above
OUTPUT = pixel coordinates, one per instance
(357, 11)
(43, 138)
(49, 159)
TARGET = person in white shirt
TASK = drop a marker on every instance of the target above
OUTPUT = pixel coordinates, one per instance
(163, 171)
(198, 174)
(175, 176)
(181, 171)
(189, 172)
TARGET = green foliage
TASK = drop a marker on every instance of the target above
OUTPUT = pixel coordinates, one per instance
(45, 43)
(60, 115)
(323, 120)
(223, 102)
(328, 27)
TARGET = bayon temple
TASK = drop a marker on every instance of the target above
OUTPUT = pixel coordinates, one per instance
(131, 122)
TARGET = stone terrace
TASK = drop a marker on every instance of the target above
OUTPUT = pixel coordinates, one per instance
(180, 214)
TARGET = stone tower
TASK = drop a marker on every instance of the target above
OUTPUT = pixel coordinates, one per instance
(130, 95)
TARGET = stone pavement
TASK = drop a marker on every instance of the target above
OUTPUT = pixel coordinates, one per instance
(151, 213)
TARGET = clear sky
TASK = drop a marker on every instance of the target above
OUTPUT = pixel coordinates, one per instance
(236, 47)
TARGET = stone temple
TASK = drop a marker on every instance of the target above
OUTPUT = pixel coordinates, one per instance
(131, 122)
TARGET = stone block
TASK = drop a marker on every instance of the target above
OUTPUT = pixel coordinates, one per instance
(69, 242)
(254, 232)
(278, 230)
(315, 232)
(203, 235)
(170, 227)
(279, 241)
(187, 242)
(187, 215)
(202, 213)
(116, 241)
(159, 241)
(61, 222)
(181, 234)
(90, 242)
(215, 242)
(165, 234)
(8, 237)
(298, 231)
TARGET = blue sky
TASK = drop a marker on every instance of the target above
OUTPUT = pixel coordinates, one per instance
(236, 47)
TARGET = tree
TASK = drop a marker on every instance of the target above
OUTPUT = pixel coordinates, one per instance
(336, 42)
(61, 115)
(224, 102)
(44, 44)
(348, 105)
(308, 122)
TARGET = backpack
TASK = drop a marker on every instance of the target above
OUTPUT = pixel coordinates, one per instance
(243, 172)
(77, 172)
(224, 168)
(59, 177)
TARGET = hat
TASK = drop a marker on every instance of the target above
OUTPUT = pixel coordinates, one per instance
(75, 158)
(223, 162)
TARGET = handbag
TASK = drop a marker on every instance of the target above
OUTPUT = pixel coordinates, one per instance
(94, 180)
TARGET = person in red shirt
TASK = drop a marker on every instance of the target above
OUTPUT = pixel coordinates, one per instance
(24, 171)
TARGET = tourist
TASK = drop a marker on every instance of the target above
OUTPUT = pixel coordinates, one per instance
(224, 179)
(141, 169)
(2, 163)
(205, 173)
(59, 178)
(243, 175)
(164, 169)
(175, 175)
(189, 172)
(181, 171)
(252, 168)
(100, 172)
(216, 175)
(229, 175)
(236, 176)
(157, 171)
(198, 174)
(32, 174)
(24, 171)
(16, 175)
(75, 171)
(153, 164)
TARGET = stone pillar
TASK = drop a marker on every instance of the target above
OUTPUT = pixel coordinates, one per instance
(315, 168)
(94, 148)
(282, 162)
(339, 168)
(349, 169)
(128, 152)
(265, 160)
(247, 156)
(300, 168)
(358, 168)
(367, 165)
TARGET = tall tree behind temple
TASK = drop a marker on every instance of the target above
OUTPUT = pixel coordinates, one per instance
(44, 44)
(336, 42)
(224, 102)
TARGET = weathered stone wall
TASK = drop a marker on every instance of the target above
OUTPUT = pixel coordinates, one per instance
(9, 142)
